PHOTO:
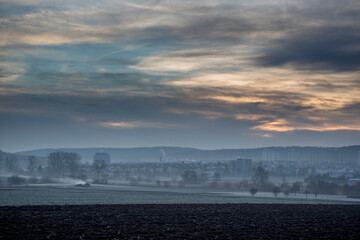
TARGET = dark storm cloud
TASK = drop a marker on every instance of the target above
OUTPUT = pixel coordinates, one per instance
(97, 105)
(168, 103)
(108, 105)
(317, 35)
(220, 28)
(320, 48)
(176, 108)
(353, 108)
(195, 31)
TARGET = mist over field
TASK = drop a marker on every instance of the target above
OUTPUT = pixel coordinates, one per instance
(181, 175)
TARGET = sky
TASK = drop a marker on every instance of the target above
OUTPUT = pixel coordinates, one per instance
(205, 74)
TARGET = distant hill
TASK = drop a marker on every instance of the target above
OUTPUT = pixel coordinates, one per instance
(121, 154)
(349, 154)
(21, 158)
(4, 155)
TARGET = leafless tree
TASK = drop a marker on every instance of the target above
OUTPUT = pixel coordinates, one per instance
(2, 162)
(306, 192)
(260, 176)
(32, 164)
(190, 177)
(286, 192)
(253, 191)
(62, 162)
(276, 190)
(99, 165)
(296, 187)
(11, 163)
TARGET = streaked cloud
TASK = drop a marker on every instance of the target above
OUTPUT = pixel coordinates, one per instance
(249, 69)
(136, 124)
(282, 125)
(9, 71)
(232, 99)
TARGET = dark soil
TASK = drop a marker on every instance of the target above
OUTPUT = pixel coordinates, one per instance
(193, 221)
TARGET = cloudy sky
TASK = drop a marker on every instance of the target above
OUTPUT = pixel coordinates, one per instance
(207, 74)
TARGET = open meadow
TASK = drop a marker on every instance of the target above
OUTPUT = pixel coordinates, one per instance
(69, 194)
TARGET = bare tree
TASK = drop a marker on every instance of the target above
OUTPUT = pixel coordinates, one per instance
(260, 176)
(11, 163)
(56, 162)
(99, 165)
(306, 192)
(253, 191)
(286, 192)
(314, 188)
(167, 184)
(190, 177)
(217, 177)
(2, 162)
(72, 161)
(133, 181)
(32, 164)
(40, 170)
(276, 190)
(296, 187)
(64, 162)
(203, 178)
(158, 183)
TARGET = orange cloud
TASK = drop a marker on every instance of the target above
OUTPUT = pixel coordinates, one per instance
(136, 124)
(252, 117)
(231, 99)
(282, 125)
(279, 125)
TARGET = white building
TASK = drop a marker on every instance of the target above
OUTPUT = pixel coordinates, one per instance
(240, 167)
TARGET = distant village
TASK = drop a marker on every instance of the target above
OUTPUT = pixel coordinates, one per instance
(238, 167)
(238, 174)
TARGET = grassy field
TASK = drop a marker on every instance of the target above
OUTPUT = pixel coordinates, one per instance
(61, 194)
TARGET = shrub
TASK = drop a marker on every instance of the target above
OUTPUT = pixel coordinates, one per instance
(167, 183)
(227, 185)
(33, 180)
(276, 190)
(213, 184)
(46, 180)
(100, 181)
(133, 181)
(253, 191)
(16, 180)
(158, 183)
(181, 183)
